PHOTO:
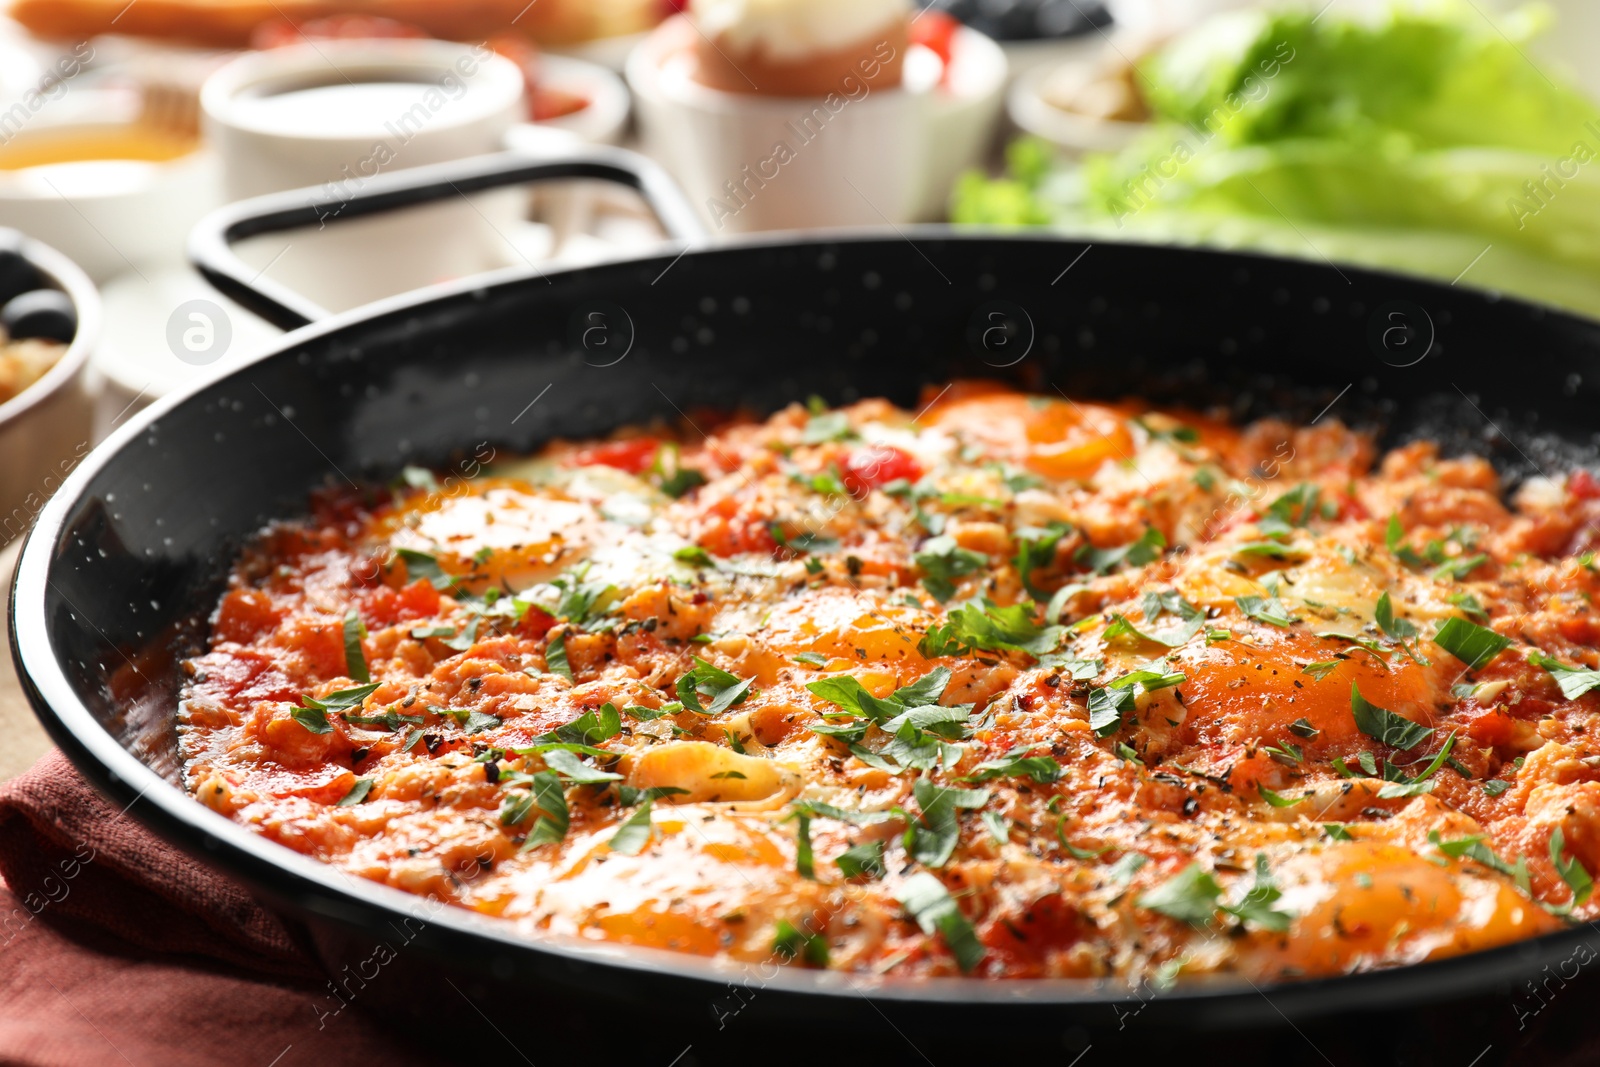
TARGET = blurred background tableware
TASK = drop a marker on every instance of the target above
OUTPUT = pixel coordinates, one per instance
(49, 323)
(233, 24)
(1032, 31)
(1431, 138)
(1091, 103)
(334, 114)
(863, 156)
(111, 182)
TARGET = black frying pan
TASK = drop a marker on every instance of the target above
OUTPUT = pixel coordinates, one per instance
(130, 555)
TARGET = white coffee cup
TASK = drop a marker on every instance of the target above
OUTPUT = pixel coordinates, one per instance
(328, 117)
(857, 157)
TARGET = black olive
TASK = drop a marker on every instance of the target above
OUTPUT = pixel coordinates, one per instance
(17, 275)
(43, 314)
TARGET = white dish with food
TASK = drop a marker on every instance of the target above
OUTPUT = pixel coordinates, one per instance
(1082, 105)
(46, 389)
(86, 176)
(863, 155)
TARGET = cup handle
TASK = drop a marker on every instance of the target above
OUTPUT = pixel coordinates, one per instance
(211, 241)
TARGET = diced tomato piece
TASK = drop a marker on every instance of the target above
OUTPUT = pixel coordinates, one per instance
(634, 456)
(865, 469)
(241, 676)
(1021, 940)
(245, 615)
(536, 623)
(1583, 485)
(320, 643)
(381, 606)
(728, 530)
(936, 31)
(1351, 508)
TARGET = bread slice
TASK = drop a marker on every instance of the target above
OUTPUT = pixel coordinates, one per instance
(229, 23)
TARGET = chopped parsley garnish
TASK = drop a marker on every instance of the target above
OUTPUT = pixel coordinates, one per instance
(1036, 550)
(1074, 851)
(1445, 566)
(422, 633)
(828, 483)
(1189, 896)
(1402, 785)
(1495, 786)
(911, 715)
(1018, 764)
(1194, 896)
(1147, 549)
(1470, 606)
(1302, 728)
(313, 719)
(724, 690)
(1285, 753)
(1188, 620)
(586, 731)
(424, 565)
(574, 770)
(419, 478)
(1470, 643)
(1278, 800)
(1269, 610)
(991, 628)
(694, 554)
(1319, 671)
(354, 658)
(581, 602)
(555, 657)
(1110, 705)
(811, 659)
(1401, 631)
(827, 426)
(681, 481)
(933, 909)
(1256, 905)
(932, 839)
(1386, 726)
(1574, 681)
(1270, 550)
(551, 802)
(789, 943)
(313, 713)
(1473, 848)
(473, 722)
(1122, 871)
(995, 823)
(358, 793)
(942, 561)
(634, 833)
(1571, 872)
(1295, 508)
(862, 861)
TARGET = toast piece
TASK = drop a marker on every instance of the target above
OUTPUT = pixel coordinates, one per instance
(229, 23)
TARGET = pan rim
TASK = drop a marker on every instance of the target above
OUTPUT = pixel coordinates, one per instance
(237, 852)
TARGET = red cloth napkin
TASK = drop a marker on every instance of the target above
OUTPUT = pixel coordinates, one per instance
(117, 949)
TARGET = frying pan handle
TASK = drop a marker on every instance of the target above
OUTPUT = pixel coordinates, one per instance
(211, 242)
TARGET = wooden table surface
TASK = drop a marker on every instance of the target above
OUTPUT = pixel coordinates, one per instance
(22, 739)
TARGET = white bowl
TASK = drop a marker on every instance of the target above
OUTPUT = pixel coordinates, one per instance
(107, 216)
(777, 163)
(46, 429)
(606, 117)
(1030, 109)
